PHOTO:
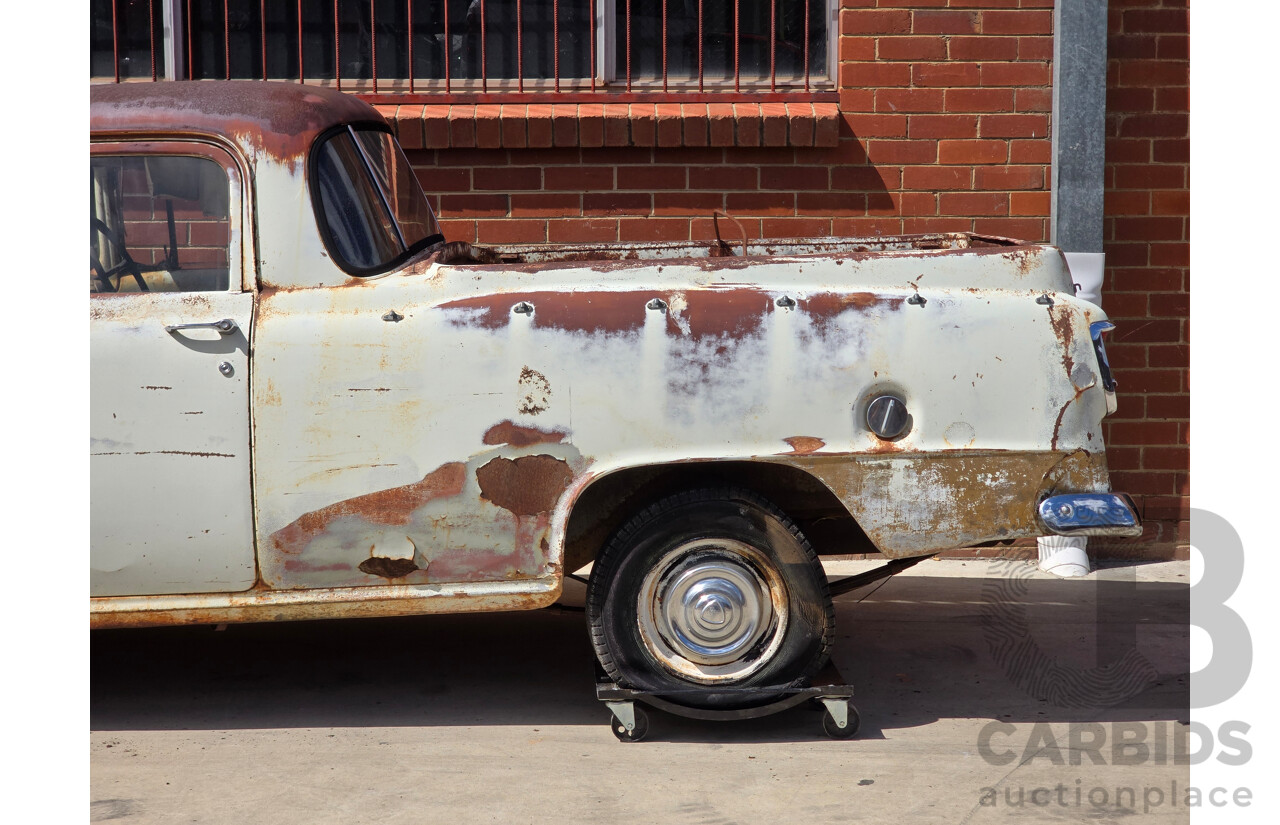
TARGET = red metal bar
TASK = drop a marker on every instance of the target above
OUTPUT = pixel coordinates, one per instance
(773, 45)
(593, 45)
(300, 77)
(337, 49)
(806, 45)
(628, 45)
(783, 95)
(409, 5)
(226, 40)
(555, 36)
(151, 32)
(737, 42)
(262, 29)
(484, 59)
(115, 40)
(446, 46)
(373, 44)
(664, 45)
(699, 45)
(520, 45)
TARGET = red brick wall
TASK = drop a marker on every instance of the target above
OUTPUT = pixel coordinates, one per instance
(944, 126)
(1147, 231)
(945, 123)
(201, 239)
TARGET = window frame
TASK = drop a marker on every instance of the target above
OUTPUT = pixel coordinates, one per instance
(240, 244)
(607, 59)
(322, 220)
(607, 81)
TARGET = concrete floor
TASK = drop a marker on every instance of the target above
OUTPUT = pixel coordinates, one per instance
(492, 718)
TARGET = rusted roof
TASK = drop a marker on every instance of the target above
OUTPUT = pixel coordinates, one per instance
(280, 118)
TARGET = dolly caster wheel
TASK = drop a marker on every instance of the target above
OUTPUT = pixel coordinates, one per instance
(831, 726)
(639, 730)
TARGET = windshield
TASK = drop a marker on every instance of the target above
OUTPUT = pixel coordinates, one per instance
(371, 210)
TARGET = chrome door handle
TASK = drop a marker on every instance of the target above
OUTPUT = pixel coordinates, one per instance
(226, 326)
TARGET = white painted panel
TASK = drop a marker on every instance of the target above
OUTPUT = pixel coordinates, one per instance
(171, 504)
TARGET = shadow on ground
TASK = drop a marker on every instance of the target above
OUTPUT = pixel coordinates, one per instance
(918, 649)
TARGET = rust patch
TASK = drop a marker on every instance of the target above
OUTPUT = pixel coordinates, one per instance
(526, 486)
(1023, 259)
(1060, 320)
(279, 120)
(826, 306)
(174, 452)
(192, 454)
(588, 312)
(804, 444)
(508, 432)
(476, 565)
(323, 603)
(1057, 424)
(388, 568)
(536, 392)
(707, 312)
(881, 447)
(927, 502)
(393, 506)
(716, 312)
(301, 566)
(1079, 470)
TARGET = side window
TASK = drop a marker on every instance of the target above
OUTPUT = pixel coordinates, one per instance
(370, 209)
(158, 223)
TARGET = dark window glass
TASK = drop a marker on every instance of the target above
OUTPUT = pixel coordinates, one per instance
(496, 39)
(758, 56)
(158, 224)
(371, 207)
(358, 225)
(404, 195)
(135, 31)
(356, 23)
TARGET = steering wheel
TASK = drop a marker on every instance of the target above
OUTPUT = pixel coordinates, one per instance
(127, 267)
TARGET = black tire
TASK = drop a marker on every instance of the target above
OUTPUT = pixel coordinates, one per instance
(707, 590)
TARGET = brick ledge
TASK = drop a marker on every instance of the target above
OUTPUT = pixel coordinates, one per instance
(538, 126)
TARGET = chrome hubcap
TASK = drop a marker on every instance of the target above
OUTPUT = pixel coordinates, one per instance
(708, 613)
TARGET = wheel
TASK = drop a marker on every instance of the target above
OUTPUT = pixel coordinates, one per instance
(640, 731)
(834, 731)
(706, 590)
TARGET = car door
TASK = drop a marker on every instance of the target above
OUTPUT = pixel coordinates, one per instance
(170, 318)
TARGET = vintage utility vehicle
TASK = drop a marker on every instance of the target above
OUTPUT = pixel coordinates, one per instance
(307, 403)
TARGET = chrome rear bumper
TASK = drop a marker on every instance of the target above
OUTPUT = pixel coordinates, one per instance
(1090, 514)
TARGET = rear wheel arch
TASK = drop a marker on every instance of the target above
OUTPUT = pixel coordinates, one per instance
(607, 502)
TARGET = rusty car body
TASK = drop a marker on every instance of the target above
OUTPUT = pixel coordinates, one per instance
(288, 424)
